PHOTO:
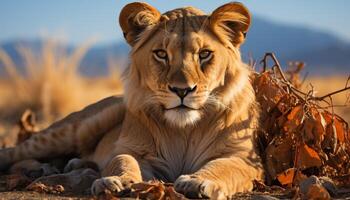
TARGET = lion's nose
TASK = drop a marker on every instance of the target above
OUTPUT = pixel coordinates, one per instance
(182, 92)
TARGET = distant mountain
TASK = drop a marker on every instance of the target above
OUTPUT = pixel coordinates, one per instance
(328, 60)
(322, 51)
(99, 58)
(284, 39)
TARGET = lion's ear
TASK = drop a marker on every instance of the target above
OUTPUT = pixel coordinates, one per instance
(135, 18)
(232, 19)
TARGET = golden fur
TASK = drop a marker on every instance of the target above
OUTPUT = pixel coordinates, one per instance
(206, 147)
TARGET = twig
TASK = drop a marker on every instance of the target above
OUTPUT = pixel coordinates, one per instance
(277, 66)
(335, 106)
(330, 98)
(264, 61)
(290, 86)
(347, 81)
(330, 94)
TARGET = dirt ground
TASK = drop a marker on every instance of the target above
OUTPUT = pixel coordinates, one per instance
(34, 195)
(19, 195)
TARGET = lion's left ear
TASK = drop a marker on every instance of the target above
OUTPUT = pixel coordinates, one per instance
(135, 18)
(232, 19)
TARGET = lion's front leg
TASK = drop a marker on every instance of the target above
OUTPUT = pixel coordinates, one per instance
(119, 174)
(219, 179)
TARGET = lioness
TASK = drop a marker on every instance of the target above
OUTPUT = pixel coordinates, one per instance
(188, 114)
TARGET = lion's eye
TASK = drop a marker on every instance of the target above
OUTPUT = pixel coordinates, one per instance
(160, 54)
(205, 55)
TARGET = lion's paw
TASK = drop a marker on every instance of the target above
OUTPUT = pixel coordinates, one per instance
(194, 187)
(111, 183)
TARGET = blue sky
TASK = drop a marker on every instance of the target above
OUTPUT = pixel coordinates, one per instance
(79, 20)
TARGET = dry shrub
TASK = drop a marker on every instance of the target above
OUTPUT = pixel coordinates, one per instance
(299, 135)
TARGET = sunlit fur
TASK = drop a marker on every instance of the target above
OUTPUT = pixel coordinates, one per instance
(207, 148)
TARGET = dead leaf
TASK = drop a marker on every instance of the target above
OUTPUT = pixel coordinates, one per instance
(308, 157)
(155, 190)
(279, 155)
(290, 177)
(294, 119)
(171, 194)
(286, 177)
(42, 188)
(313, 132)
(339, 128)
(151, 190)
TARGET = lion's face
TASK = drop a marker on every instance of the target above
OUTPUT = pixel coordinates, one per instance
(181, 62)
(181, 71)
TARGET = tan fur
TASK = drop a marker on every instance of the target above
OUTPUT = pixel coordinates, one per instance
(207, 150)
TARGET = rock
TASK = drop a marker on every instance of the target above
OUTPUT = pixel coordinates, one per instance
(312, 188)
(329, 185)
(306, 183)
(317, 192)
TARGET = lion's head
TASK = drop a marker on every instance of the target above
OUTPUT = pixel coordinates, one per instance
(185, 64)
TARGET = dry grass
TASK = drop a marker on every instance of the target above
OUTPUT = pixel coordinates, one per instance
(51, 85)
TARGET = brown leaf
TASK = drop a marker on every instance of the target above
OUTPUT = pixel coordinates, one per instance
(279, 155)
(155, 190)
(296, 112)
(308, 157)
(42, 188)
(171, 194)
(151, 190)
(294, 119)
(286, 177)
(339, 128)
(331, 139)
(268, 93)
(290, 176)
(313, 130)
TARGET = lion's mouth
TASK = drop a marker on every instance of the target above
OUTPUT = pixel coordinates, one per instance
(181, 107)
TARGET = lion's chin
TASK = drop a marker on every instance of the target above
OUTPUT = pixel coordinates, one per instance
(182, 117)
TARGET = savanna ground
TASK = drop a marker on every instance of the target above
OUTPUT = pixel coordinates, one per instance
(52, 87)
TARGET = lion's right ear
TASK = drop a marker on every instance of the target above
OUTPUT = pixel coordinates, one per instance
(135, 18)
